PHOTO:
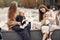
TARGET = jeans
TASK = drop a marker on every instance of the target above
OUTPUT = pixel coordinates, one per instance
(22, 32)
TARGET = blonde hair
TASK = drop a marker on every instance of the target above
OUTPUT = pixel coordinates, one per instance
(21, 13)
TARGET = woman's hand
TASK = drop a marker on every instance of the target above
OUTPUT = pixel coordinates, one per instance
(43, 21)
(45, 17)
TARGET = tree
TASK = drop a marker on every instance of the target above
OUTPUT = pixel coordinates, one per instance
(1, 3)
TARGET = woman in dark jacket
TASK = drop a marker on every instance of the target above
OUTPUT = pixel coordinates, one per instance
(16, 22)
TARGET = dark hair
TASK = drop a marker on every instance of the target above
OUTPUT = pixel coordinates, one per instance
(41, 13)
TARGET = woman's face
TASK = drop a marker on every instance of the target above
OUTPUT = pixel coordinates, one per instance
(43, 10)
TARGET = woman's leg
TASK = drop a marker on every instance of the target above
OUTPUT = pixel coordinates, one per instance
(45, 30)
(45, 35)
(28, 27)
(22, 32)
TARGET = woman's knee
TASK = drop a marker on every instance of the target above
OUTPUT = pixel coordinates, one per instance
(45, 29)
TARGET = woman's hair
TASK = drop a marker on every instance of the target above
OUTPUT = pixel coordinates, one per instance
(41, 13)
(57, 22)
(12, 10)
(21, 13)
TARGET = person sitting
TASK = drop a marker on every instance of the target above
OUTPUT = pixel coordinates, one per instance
(16, 19)
(46, 18)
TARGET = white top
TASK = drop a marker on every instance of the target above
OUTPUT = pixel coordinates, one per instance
(51, 16)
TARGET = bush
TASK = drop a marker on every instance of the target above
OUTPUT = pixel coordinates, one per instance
(6, 3)
(1, 3)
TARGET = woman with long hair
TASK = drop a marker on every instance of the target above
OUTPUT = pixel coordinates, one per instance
(46, 18)
(12, 13)
(16, 19)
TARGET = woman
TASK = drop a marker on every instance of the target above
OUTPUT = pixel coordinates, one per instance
(12, 13)
(58, 18)
(46, 18)
(15, 21)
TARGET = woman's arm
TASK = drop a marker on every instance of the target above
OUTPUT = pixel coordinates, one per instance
(13, 22)
(43, 21)
(52, 15)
